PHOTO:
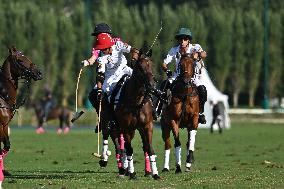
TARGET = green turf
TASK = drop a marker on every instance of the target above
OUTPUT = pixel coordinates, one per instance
(239, 158)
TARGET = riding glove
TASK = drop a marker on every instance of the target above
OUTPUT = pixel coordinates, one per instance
(85, 63)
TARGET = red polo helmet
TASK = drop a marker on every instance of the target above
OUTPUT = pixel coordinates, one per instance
(104, 41)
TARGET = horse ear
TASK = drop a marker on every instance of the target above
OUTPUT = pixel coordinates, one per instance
(149, 53)
(12, 50)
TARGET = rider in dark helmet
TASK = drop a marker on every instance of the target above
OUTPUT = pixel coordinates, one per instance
(101, 28)
(184, 37)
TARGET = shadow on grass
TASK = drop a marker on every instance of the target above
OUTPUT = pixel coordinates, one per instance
(52, 174)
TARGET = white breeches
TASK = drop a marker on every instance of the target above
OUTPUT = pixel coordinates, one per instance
(110, 81)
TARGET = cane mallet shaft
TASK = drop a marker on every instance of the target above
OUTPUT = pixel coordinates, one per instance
(99, 121)
(77, 114)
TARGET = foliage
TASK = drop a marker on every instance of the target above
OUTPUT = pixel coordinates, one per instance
(56, 36)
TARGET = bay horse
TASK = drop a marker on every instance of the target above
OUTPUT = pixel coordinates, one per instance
(110, 127)
(16, 66)
(63, 114)
(182, 112)
(135, 111)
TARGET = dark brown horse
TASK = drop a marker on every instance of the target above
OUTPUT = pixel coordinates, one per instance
(17, 66)
(182, 112)
(63, 114)
(134, 111)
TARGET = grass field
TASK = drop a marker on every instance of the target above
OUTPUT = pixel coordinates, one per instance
(249, 155)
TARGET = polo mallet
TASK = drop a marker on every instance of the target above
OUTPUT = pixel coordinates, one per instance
(99, 121)
(77, 114)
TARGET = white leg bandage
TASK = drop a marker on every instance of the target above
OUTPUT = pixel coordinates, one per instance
(178, 155)
(192, 140)
(167, 159)
(153, 165)
(130, 164)
(105, 149)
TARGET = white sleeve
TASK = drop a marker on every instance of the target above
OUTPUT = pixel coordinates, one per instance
(123, 47)
(197, 48)
(170, 56)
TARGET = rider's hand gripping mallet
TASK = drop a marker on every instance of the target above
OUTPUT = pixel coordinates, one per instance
(77, 114)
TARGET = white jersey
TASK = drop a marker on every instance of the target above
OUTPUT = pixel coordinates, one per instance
(174, 54)
(114, 66)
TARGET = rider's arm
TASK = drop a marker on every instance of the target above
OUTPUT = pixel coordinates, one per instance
(92, 59)
(123, 47)
(168, 59)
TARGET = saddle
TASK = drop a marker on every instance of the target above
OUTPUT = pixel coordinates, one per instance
(114, 97)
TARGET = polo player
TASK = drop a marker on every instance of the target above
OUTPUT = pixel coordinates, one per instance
(184, 37)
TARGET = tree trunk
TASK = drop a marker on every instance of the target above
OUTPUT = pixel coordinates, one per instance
(235, 99)
(251, 98)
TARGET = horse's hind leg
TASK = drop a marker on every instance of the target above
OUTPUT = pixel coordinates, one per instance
(166, 138)
(118, 140)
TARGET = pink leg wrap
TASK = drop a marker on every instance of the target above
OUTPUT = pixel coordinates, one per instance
(1, 168)
(119, 163)
(121, 142)
(147, 163)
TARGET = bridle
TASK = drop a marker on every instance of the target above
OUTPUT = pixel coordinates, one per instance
(26, 74)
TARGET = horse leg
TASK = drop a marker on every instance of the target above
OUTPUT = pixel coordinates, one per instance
(146, 155)
(149, 134)
(5, 150)
(40, 129)
(191, 144)
(175, 129)
(166, 138)
(60, 128)
(116, 138)
(106, 133)
(66, 121)
(129, 153)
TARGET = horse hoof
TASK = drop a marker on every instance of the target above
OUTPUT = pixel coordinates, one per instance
(121, 172)
(40, 130)
(178, 169)
(187, 169)
(156, 177)
(103, 163)
(147, 174)
(132, 176)
(66, 130)
(6, 173)
(165, 170)
(59, 131)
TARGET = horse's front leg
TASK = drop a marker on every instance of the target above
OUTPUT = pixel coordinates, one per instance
(167, 140)
(149, 134)
(128, 136)
(175, 129)
(191, 143)
(4, 152)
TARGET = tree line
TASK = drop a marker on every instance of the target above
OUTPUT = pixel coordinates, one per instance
(56, 36)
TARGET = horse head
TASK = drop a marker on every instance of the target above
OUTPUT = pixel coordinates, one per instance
(143, 67)
(21, 66)
(186, 67)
